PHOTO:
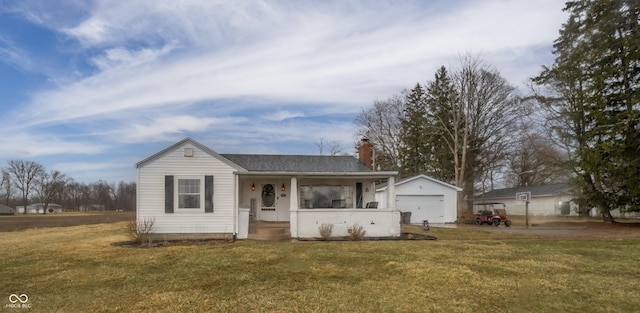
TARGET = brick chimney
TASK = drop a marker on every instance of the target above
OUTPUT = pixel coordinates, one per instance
(364, 153)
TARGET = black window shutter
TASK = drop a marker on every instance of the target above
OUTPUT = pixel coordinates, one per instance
(168, 194)
(359, 195)
(208, 194)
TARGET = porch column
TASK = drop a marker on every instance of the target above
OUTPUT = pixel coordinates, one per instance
(391, 193)
(293, 208)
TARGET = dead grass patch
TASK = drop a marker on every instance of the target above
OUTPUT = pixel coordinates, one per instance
(76, 269)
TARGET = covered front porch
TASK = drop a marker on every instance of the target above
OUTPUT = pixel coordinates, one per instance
(306, 201)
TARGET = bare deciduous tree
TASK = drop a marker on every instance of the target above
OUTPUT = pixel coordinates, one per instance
(381, 125)
(49, 186)
(23, 175)
(333, 146)
(481, 114)
(6, 188)
(536, 160)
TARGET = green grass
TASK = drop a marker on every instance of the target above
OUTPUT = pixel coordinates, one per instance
(75, 269)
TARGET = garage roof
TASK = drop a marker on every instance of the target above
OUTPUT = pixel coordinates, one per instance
(383, 186)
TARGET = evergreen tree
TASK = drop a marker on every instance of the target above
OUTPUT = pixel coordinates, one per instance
(413, 150)
(596, 100)
(441, 108)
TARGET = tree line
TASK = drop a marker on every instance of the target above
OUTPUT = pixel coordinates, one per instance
(579, 121)
(27, 182)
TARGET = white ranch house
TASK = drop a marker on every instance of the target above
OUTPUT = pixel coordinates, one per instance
(192, 192)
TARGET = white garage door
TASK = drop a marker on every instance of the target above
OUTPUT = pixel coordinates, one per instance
(422, 207)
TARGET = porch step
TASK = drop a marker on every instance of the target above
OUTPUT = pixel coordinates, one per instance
(270, 234)
(268, 231)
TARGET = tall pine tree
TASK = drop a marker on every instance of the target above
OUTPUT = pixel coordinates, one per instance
(413, 150)
(442, 108)
(595, 81)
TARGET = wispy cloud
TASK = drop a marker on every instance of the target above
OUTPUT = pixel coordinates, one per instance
(331, 57)
(120, 56)
(256, 73)
(14, 55)
(164, 127)
(282, 115)
(26, 145)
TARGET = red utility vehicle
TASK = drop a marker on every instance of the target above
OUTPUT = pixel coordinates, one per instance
(492, 213)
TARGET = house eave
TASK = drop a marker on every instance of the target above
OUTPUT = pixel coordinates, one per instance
(195, 143)
(320, 174)
(431, 179)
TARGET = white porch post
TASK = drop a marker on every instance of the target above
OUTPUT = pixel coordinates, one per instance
(236, 203)
(391, 193)
(293, 208)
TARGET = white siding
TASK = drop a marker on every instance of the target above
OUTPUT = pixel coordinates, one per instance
(421, 186)
(538, 206)
(376, 223)
(422, 207)
(151, 190)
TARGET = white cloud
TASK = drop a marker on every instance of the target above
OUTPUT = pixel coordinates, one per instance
(25, 145)
(88, 171)
(282, 115)
(91, 31)
(330, 57)
(164, 70)
(14, 55)
(125, 57)
(167, 127)
(67, 167)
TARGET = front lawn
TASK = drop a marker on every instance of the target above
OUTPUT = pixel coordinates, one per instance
(76, 269)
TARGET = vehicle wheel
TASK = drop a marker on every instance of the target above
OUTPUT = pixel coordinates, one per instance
(507, 223)
(496, 222)
(478, 221)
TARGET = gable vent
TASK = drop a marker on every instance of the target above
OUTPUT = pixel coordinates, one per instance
(188, 152)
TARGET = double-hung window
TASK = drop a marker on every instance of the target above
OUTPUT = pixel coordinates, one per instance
(189, 194)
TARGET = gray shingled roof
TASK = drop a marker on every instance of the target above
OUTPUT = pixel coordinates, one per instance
(540, 190)
(297, 163)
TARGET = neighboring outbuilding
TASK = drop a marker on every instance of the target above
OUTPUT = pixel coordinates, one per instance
(546, 200)
(425, 197)
(6, 210)
(192, 192)
(38, 208)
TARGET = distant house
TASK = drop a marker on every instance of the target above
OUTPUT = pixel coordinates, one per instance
(425, 197)
(38, 208)
(192, 192)
(546, 200)
(6, 210)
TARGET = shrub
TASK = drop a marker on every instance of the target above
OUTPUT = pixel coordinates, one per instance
(325, 231)
(356, 232)
(141, 231)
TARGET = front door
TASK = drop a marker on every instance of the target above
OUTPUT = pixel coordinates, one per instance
(274, 204)
(268, 203)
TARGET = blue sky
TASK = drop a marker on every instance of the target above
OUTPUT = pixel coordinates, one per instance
(92, 87)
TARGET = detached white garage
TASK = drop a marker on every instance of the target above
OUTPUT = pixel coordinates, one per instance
(425, 197)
